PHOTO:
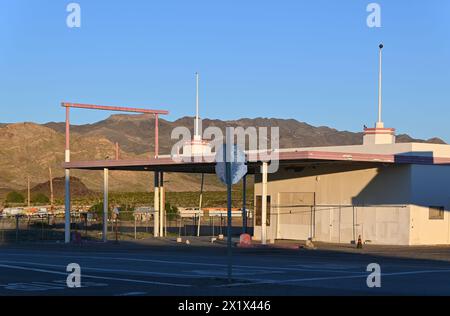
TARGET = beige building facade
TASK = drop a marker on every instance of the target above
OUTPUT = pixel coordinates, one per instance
(404, 200)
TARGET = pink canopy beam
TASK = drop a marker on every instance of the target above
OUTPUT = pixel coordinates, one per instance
(156, 113)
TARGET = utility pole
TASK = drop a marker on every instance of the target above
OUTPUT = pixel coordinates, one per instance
(200, 204)
(51, 187)
(29, 193)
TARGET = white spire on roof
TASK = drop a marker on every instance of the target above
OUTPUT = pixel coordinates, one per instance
(380, 78)
(197, 134)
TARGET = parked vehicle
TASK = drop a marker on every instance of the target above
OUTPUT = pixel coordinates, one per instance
(42, 212)
(13, 211)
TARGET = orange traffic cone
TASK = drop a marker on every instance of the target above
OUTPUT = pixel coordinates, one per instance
(359, 245)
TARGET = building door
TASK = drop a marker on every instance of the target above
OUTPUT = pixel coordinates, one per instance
(295, 214)
(335, 221)
(258, 211)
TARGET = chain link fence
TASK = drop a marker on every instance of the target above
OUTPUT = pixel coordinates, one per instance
(128, 226)
(336, 223)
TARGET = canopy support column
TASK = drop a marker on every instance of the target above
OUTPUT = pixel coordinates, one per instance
(105, 203)
(163, 222)
(67, 181)
(264, 205)
(156, 217)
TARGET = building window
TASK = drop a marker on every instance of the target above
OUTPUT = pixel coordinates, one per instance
(258, 210)
(436, 212)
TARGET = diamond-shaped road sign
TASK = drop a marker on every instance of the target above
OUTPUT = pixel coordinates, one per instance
(238, 166)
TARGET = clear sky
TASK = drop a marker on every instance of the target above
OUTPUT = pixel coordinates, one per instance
(311, 60)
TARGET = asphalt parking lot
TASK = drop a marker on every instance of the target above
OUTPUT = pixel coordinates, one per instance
(162, 267)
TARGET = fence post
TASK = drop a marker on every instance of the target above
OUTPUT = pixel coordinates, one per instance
(86, 226)
(135, 232)
(3, 231)
(42, 228)
(17, 228)
(166, 222)
(354, 224)
(117, 229)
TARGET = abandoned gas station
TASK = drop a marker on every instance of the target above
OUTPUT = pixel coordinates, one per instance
(379, 192)
(385, 192)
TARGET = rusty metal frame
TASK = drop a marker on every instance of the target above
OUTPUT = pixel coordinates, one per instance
(156, 113)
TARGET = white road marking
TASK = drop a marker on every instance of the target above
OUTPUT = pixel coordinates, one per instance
(94, 276)
(236, 272)
(199, 274)
(330, 266)
(31, 287)
(364, 275)
(132, 294)
(194, 263)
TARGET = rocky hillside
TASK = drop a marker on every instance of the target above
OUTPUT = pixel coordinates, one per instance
(28, 149)
(134, 133)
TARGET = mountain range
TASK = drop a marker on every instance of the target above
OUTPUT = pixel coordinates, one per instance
(29, 149)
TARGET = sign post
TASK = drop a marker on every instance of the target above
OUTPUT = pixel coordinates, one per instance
(230, 168)
(230, 223)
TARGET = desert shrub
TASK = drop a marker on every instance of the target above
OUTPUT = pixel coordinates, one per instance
(40, 198)
(171, 211)
(15, 197)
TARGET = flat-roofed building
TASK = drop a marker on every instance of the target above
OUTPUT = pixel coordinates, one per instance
(388, 193)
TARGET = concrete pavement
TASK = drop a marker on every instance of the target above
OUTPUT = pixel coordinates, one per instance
(162, 267)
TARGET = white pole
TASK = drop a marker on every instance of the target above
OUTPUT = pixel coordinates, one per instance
(52, 198)
(163, 218)
(67, 181)
(67, 206)
(162, 211)
(197, 132)
(264, 205)
(28, 194)
(156, 215)
(105, 203)
(380, 123)
(200, 205)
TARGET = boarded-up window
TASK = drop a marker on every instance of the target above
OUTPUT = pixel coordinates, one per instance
(258, 210)
(436, 212)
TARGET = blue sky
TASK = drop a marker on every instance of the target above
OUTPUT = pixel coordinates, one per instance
(314, 61)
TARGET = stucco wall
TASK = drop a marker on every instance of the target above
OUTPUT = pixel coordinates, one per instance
(384, 190)
(430, 187)
(425, 231)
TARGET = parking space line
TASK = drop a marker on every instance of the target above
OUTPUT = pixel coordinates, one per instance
(94, 276)
(203, 264)
(363, 275)
(132, 294)
(139, 272)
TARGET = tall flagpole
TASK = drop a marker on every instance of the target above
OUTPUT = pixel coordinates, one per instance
(197, 132)
(380, 78)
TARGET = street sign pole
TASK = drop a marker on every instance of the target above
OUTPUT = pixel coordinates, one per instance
(230, 168)
(230, 269)
(227, 154)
